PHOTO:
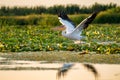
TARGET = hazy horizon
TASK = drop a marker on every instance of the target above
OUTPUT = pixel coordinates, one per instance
(48, 3)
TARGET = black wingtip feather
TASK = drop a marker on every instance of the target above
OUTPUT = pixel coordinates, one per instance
(63, 15)
(91, 18)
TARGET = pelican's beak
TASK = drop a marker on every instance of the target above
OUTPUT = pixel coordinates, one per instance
(60, 28)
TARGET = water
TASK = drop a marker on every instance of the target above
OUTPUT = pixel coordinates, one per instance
(37, 70)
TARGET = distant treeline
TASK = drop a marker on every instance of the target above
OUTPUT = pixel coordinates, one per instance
(108, 16)
(70, 9)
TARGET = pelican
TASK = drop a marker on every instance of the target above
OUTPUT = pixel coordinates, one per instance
(72, 32)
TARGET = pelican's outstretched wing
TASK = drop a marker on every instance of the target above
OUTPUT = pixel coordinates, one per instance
(64, 19)
(84, 24)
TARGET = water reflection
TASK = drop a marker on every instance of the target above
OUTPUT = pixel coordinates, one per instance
(34, 70)
(92, 69)
(62, 72)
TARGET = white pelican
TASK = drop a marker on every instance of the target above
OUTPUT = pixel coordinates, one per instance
(72, 32)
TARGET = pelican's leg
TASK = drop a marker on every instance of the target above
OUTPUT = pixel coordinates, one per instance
(77, 42)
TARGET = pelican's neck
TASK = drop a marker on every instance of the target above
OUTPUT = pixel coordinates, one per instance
(64, 32)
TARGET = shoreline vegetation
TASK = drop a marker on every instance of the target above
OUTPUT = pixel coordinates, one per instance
(101, 38)
(70, 9)
(109, 16)
(62, 56)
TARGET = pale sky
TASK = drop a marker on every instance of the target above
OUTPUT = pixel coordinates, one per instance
(48, 3)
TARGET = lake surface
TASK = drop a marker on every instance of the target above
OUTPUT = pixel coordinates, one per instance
(41, 70)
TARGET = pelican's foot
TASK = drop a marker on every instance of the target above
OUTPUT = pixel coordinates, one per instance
(79, 42)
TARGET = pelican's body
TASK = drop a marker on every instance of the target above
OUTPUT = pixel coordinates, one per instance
(72, 32)
(72, 36)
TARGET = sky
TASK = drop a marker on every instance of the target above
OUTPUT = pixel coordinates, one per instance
(47, 3)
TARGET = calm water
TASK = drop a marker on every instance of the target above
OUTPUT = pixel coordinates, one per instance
(36, 70)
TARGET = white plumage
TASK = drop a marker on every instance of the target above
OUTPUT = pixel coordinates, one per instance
(71, 31)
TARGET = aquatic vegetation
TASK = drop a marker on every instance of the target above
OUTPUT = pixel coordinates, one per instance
(101, 38)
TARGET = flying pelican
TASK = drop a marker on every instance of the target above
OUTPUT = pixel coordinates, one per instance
(72, 32)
